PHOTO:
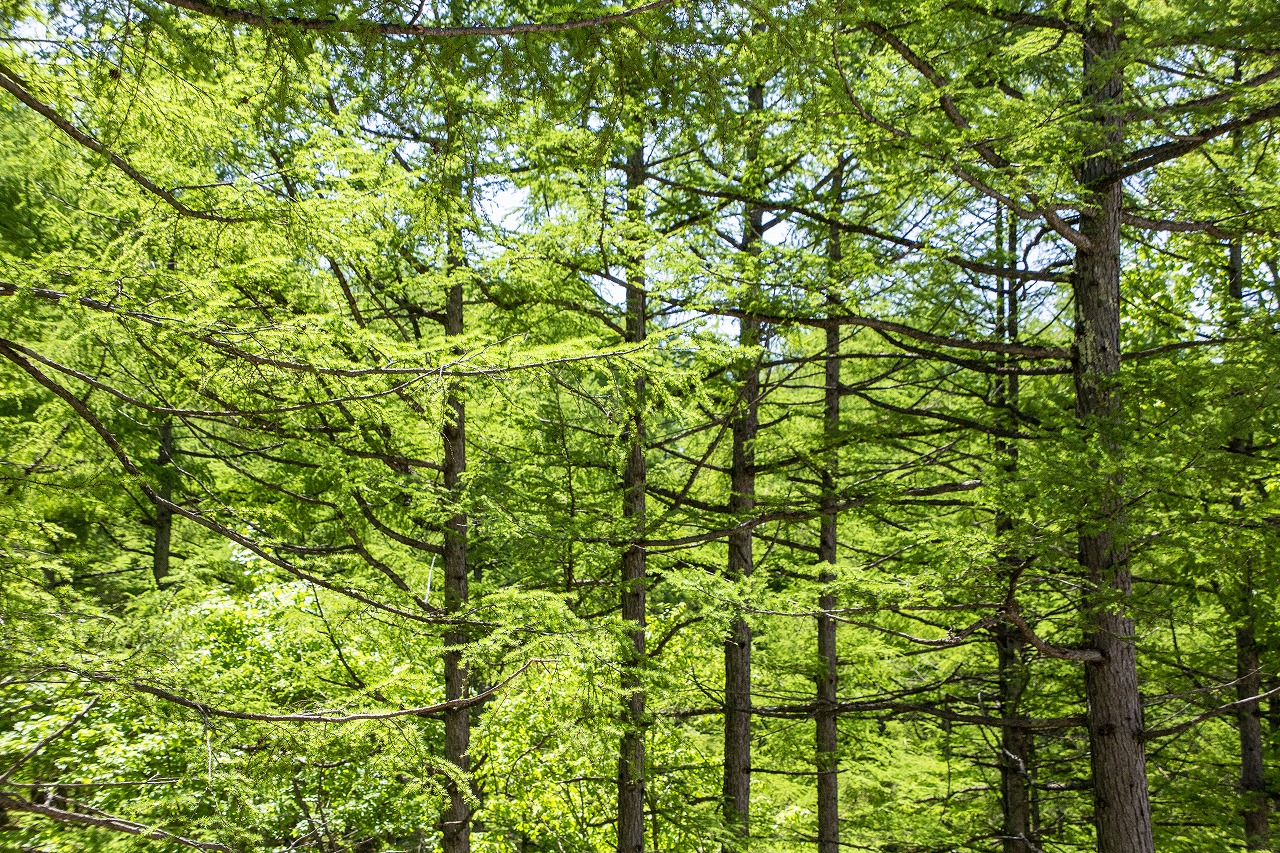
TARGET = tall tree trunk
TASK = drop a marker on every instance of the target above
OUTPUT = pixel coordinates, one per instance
(1257, 832)
(825, 734)
(1015, 741)
(742, 501)
(164, 516)
(631, 757)
(1015, 744)
(457, 722)
(1122, 807)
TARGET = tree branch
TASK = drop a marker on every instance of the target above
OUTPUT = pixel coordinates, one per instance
(12, 83)
(106, 821)
(259, 19)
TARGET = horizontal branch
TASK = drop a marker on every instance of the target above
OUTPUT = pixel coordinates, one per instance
(858, 320)
(319, 717)
(105, 821)
(398, 28)
(801, 515)
(809, 709)
(1208, 715)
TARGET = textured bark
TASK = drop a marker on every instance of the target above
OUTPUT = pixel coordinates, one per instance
(1015, 745)
(457, 722)
(742, 501)
(1122, 808)
(1017, 828)
(825, 734)
(1249, 720)
(1257, 832)
(164, 516)
(826, 739)
(631, 756)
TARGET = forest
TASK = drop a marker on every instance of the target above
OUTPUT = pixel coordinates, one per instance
(554, 426)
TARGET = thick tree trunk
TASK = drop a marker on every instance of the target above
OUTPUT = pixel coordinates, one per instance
(164, 516)
(1122, 808)
(742, 501)
(631, 757)
(457, 722)
(826, 738)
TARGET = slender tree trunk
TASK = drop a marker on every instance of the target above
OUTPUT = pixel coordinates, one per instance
(1015, 741)
(1015, 744)
(742, 501)
(1257, 832)
(1249, 719)
(164, 516)
(457, 722)
(631, 757)
(825, 734)
(1122, 807)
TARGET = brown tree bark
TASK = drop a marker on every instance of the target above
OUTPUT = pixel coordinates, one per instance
(1017, 825)
(457, 722)
(1122, 808)
(1015, 745)
(742, 501)
(826, 736)
(1257, 830)
(631, 756)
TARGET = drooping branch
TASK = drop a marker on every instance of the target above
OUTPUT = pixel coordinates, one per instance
(87, 415)
(48, 739)
(456, 368)
(12, 83)
(1046, 649)
(106, 821)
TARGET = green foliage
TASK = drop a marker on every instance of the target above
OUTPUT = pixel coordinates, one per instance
(252, 270)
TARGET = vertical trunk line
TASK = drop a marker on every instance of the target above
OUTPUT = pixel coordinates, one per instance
(1257, 831)
(631, 757)
(742, 502)
(1015, 744)
(457, 721)
(1122, 807)
(826, 738)
(1015, 741)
